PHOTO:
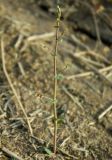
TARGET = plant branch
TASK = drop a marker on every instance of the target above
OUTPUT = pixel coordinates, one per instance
(55, 75)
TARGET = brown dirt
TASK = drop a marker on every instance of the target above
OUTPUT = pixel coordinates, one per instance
(80, 134)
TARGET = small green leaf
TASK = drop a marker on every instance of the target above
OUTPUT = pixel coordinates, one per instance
(52, 101)
(60, 120)
(59, 77)
(48, 151)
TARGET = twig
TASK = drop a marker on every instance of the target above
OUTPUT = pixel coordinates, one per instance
(76, 40)
(39, 37)
(95, 70)
(86, 74)
(19, 41)
(92, 68)
(12, 87)
(2, 115)
(94, 19)
(88, 50)
(79, 75)
(21, 69)
(109, 75)
(64, 142)
(93, 53)
(71, 97)
(67, 154)
(96, 26)
(11, 154)
(104, 112)
(94, 63)
(92, 87)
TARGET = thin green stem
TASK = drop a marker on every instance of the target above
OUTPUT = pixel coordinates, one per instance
(55, 77)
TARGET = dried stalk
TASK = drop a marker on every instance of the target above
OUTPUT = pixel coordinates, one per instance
(12, 86)
(104, 112)
(11, 154)
(89, 73)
